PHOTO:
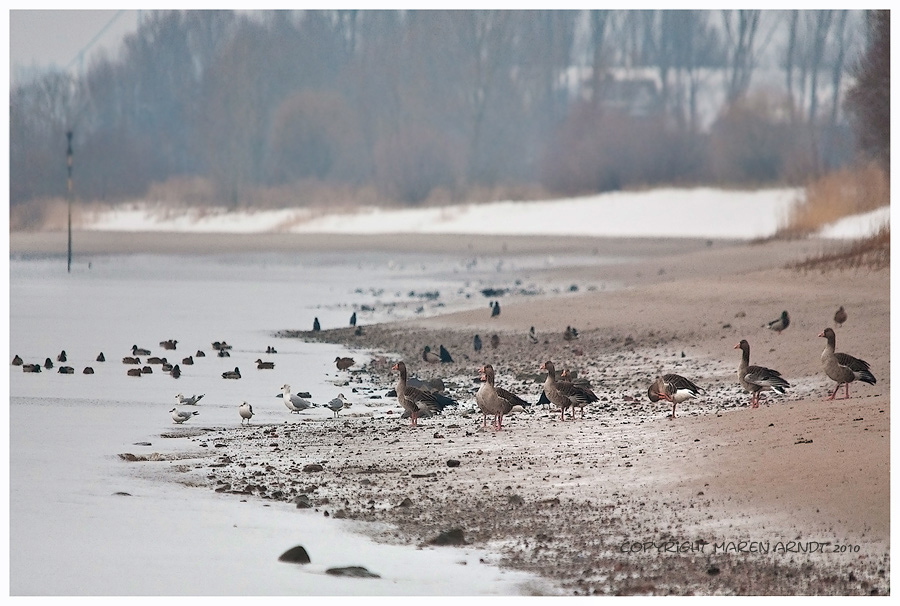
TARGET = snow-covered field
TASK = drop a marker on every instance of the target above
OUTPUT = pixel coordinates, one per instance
(698, 213)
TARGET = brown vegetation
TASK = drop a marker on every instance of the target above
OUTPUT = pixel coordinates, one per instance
(839, 194)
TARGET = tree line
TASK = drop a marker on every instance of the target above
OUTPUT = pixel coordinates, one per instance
(416, 106)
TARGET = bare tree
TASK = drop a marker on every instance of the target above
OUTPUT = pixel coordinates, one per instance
(741, 27)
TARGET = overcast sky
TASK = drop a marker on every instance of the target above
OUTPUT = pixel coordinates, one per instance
(46, 38)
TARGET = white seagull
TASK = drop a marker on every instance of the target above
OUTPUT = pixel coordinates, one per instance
(293, 402)
(192, 401)
(181, 416)
(246, 412)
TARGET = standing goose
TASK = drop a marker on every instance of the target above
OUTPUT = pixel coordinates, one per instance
(842, 367)
(581, 383)
(246, 412)
(779, 324)
(840, 316)
(414, 401)
(756, 379)
(495, 400)
(476, 343)
(673, 388)
(564, 393)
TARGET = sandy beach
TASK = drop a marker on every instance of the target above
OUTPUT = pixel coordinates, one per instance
(791, 498)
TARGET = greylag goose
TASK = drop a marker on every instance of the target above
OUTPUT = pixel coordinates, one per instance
(756, 379)
(62, 356)
(413, 400)
(842, 367)
(139, 351)
(494, 400)
(353, 319)
(445, 355)
(232, 374)
(429, 356)
(293, 402)
(246, 412)
(191, 401)
(840, 316)
(673, 388)
(581, 383)
(169, 344)
(181, 416)
(476, 343)
(779, 324)
(343, 363)
(101, 357)
(17, 361)
(264, 365)
(316, 326)
(31, 368)
(564, 393)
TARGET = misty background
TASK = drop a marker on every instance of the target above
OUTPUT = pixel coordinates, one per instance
(315, 108)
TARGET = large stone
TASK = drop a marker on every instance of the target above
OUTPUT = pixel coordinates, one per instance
(295, 555)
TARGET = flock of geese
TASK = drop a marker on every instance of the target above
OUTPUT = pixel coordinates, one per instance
(417, 399)
(566, 394)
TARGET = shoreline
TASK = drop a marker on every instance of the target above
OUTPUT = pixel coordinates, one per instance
(562, 498)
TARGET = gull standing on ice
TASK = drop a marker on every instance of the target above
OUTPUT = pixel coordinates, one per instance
(181, 416)
(246, 411)
(336, 405)
(294, 403)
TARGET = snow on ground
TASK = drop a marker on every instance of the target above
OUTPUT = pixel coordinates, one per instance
(858, 225)
(692, 213)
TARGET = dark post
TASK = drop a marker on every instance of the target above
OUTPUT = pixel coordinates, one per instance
(69, 196)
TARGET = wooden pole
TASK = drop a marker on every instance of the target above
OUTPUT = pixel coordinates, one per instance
(69, 196)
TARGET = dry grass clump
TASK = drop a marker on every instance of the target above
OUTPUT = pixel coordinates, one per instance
(871, 253)
(845, 192)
